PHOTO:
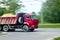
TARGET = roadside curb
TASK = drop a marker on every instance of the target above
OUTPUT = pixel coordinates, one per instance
(53, 37)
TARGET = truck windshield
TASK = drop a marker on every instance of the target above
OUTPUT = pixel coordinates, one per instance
(34, 16)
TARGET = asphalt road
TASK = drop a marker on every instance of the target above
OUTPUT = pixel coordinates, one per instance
(38, 34)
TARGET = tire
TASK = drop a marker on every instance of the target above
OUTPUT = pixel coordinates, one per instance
(25, 28)
(5, 28)
(31, 30)
(20, 20)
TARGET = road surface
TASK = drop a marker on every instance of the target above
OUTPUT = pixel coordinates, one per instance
(38, 34)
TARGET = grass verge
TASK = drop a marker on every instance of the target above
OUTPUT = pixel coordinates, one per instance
(0, 33)
(49, 26)
(58, 38)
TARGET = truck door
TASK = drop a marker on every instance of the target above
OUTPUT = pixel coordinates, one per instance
(27, 18)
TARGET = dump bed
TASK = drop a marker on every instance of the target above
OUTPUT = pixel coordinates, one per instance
(8, 19)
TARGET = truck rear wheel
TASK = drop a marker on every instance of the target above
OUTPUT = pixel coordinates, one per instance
(5, 28)
(25, 28)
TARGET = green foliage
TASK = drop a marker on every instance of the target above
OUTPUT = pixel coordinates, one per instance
(51, 11)
(34, 13)
(49, 26)
(58, 38)
(2, 11)
(12, 6)
(38, 16)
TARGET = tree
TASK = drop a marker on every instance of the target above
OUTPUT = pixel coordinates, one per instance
(51, 11)
(39, 16)
(34, 13)
(10, 6)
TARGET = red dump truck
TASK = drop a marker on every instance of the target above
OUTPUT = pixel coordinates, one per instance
(24, 21)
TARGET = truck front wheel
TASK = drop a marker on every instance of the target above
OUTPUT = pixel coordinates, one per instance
(25, 28)
(5, 28)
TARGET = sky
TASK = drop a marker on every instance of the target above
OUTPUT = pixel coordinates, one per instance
(31, 5)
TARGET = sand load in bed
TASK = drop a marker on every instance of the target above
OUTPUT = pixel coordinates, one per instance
(8, 15)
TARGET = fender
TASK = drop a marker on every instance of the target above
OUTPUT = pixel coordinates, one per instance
(26, 23)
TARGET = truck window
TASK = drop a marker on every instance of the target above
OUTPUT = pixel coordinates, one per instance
(34, 16)
(28, 16)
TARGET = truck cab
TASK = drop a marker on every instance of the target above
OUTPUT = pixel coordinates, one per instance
(30, 22)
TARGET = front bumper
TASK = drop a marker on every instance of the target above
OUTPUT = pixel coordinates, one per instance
(33, 26)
